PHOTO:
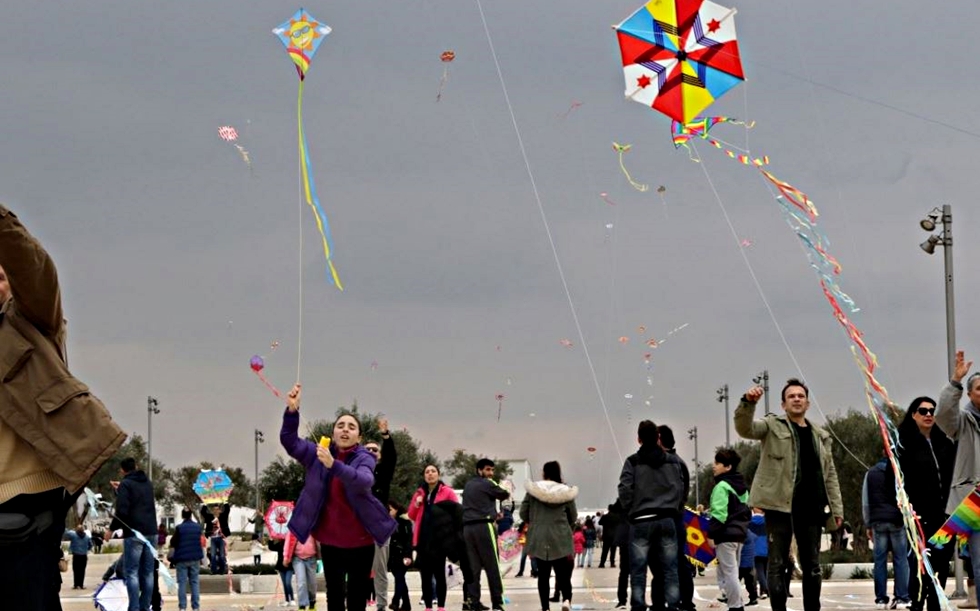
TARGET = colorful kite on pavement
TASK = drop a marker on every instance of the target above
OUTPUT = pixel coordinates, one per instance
(302, 35)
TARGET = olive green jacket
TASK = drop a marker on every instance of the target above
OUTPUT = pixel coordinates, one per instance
(549, 509)
(775, 479)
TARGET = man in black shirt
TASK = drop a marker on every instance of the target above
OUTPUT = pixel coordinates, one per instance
(795, 483)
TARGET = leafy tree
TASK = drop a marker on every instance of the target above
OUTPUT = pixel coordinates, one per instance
(859, 432)
(462, 466)
(281, 480)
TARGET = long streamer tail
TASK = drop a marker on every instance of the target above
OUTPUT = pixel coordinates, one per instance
(442, 82)
(269, 385)
(309, 192)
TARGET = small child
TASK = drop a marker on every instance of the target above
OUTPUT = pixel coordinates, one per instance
(746, 568)
(729, 523)
(257, 549)
(578, 540)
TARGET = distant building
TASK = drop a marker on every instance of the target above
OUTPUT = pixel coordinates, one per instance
(522, 473)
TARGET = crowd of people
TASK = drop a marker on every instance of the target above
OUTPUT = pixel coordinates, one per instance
(345, 521)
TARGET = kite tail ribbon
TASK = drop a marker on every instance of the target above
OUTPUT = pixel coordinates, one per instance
(622, 148)
(269, 385)
(309, 191)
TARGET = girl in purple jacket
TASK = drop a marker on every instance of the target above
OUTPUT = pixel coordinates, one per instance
(337, 506)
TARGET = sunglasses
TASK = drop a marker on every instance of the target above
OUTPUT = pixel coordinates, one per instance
(926, 411)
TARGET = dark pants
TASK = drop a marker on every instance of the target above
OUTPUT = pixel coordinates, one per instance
(762, 573)
(400, 600)
(78, 563)
(939, 558)
(346, 572)
(782, 527)
(622, 590)
(29, 575)
(481, 551)
(563, 579)
(653, 545)
(747, 574)
(608, 548)
(432, 567)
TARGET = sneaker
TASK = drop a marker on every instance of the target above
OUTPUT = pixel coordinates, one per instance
(554, 599)
(881, 604)
(393, 606)
(763, 596)
(566, 605)
(621, 606)
(723, 599)
(752, 602)
(519, 574)
(899, 603)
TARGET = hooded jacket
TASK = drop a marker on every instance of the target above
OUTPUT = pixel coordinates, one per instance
(549, 510)
(135, 506)
(357, 475)
(758, 526)
(730, 514)
(651, 485)
(42, 406)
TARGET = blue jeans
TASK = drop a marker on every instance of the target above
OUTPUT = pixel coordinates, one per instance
(138, 559)
(891, 536)
(189, 571)
(287, 584)
(653, 544)
(219, 560)
(305, 570)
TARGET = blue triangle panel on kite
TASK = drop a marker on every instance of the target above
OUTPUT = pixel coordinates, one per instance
(716, 81)
(640, 24)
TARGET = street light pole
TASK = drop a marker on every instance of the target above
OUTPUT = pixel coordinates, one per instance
(945, 239)
(259, 438)
(151, 408)
(692, 433)
(763, 378)
(723, 397)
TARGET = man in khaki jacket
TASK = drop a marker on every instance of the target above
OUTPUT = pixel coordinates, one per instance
(54, 434)
(796, 484)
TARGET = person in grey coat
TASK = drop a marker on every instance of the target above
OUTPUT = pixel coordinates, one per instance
(549, 508)
(963, 425)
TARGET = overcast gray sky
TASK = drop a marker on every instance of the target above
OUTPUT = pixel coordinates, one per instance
(178, 265)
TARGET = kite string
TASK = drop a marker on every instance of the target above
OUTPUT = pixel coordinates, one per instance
(547, 228)
(299, 191)
(765, 300)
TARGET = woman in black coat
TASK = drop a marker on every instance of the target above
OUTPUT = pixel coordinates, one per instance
(926, 456)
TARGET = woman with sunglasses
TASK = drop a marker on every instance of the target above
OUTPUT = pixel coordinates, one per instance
(437, 515)
(926, 458)
(337, 506)
(549, 508)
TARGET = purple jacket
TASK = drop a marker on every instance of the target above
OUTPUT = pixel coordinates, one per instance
(357, 476)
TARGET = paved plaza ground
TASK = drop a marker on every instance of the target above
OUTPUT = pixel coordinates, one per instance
(594, 590)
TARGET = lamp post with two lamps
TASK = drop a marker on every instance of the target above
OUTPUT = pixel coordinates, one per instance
(723, 397)
(259, 438)
(692, 433)
(945, 239)
(151, 409)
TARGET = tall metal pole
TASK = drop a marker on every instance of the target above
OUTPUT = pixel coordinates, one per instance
(259, 438)
(723, 396)
(151, 408)
(763, 378)
(692, 433)
(950, 313)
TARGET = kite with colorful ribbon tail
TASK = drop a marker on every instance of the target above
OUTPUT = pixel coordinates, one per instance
(679, 56)
(302, 35)
(964, 522)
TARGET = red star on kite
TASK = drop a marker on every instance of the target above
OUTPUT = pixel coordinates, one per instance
(643, 82)
(713, 26)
